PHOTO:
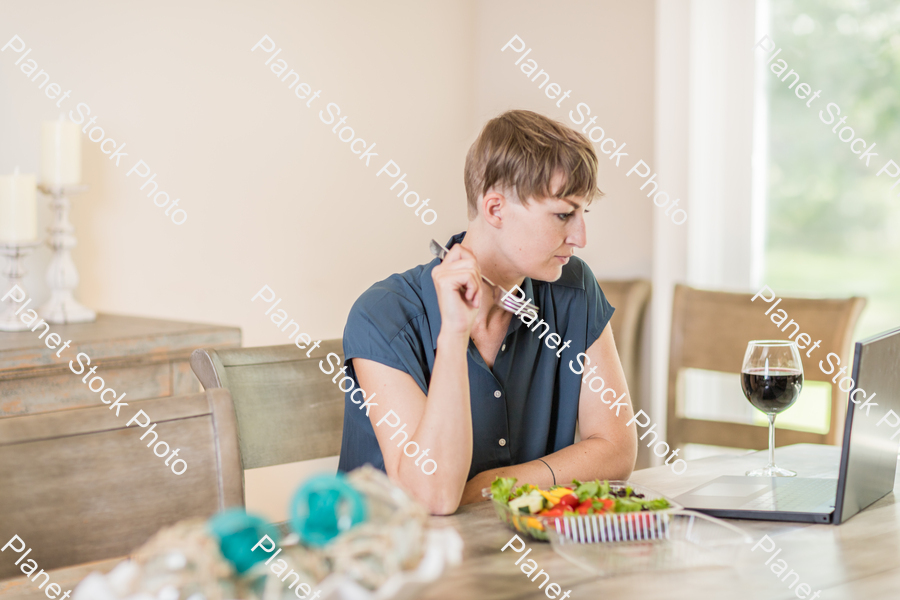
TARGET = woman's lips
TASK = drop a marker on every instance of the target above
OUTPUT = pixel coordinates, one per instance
(563, 259)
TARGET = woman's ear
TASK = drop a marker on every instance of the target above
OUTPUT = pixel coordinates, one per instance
(494, 207)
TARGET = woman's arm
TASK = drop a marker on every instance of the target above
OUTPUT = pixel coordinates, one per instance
(608, 448)
(440, 423)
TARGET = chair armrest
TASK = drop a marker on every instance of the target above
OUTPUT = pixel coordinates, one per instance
(207, 367)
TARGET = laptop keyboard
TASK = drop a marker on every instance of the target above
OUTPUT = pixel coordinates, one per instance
(796, 495)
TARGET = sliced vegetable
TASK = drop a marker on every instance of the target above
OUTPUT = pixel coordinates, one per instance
(529, 504)
(569, 500)
(561, 491)
(553, 500)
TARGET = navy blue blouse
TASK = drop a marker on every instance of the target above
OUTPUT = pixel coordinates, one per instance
(522, 409)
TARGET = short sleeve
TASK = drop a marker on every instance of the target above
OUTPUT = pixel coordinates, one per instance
(379, 328)
(599, 310)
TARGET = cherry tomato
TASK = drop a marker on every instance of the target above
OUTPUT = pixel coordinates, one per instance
(556, 511)
(570, 500)
(608, 503)
(584, 507)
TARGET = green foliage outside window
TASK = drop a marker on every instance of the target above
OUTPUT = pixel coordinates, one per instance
(833, 227)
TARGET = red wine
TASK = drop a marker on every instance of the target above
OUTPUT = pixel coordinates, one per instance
(773, 393)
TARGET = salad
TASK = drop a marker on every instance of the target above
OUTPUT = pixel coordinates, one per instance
(589, 498)
(526, 507)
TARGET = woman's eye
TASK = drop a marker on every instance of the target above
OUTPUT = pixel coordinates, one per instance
(564, 216)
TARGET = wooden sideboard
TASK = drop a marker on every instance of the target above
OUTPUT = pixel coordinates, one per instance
(147, 358)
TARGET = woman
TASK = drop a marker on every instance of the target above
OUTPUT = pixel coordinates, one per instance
(466, 391)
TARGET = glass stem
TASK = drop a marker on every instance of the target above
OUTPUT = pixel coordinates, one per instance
(771, 439)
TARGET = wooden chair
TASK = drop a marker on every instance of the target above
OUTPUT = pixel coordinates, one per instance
(629, 297)
(710, 330)
(287, 409)
(79, 486)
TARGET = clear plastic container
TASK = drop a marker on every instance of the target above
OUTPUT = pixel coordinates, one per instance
(621, 526)
(690, 540)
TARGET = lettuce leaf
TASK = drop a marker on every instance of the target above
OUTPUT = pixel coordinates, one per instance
(588, 489)
(591, 489)
(627, 505)
(604, 489)
(524, 489)
(657, 504)
(501, 488)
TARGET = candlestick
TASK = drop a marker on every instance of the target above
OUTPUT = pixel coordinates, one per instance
(14, 271)
(18, 208)
(60, 153)
(62, 276)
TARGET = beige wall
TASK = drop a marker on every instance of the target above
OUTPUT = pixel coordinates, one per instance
(273, 197)
(604, 53)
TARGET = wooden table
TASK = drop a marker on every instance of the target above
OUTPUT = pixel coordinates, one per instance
(857, 560)
(147, 358)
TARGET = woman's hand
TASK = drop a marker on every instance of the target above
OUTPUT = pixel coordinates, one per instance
(457, 281)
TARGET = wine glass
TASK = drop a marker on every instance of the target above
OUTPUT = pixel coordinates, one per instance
(771, 377)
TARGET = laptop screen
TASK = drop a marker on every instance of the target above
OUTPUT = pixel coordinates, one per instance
(869, 454)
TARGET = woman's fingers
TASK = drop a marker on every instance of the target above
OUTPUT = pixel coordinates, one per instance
(462, 278)
(458, 283)
(460, 260)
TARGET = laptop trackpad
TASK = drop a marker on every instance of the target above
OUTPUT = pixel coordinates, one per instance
(730, 489)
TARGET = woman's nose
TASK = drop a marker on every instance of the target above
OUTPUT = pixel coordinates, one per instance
(578, 235)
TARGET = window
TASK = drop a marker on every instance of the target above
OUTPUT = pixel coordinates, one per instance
(819, 221)
(832, 225)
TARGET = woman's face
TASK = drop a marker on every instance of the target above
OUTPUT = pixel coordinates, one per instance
(540, 237)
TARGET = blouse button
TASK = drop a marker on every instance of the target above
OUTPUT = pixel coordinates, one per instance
(502, 442)
(497, 394)
(503, 347)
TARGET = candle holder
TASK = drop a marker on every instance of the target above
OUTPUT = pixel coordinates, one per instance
(62, 276)
(14, 271)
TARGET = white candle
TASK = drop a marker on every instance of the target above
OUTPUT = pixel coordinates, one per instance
(18, 208)
(60, 153)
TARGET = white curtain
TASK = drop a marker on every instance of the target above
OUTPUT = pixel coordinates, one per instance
(709, 121)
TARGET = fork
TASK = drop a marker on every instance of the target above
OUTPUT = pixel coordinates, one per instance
(507, 300)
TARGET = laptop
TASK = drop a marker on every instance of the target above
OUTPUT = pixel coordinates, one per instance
(868, 459)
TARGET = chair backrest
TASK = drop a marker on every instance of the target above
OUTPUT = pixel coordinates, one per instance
(287, 408)
(629, 297)
(78, 486)
(710, 330)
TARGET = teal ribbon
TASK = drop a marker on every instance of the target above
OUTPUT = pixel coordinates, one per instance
(237, 533)
(324, 507)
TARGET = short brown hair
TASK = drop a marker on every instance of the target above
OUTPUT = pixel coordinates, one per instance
(521, 150)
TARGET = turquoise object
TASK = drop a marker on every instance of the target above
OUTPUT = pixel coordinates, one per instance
(324, 507)
(237, 533)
